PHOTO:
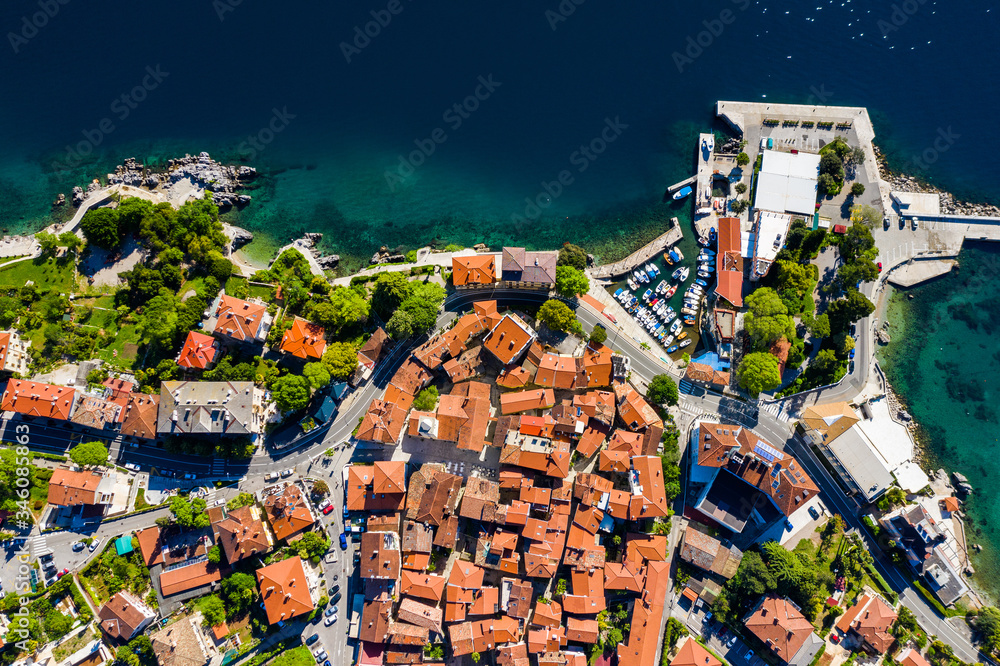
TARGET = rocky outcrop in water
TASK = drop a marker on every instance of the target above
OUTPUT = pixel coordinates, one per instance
(949, 204)
(223, 180)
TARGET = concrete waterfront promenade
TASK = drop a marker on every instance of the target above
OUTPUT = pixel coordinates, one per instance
(641, 256)
(687, 181)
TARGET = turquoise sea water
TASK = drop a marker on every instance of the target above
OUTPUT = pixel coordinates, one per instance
(944, 362)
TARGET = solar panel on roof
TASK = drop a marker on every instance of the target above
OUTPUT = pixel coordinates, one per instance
(767, 452)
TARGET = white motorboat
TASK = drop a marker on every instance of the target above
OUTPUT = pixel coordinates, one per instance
(685, 343)
(632, 284)
(681, 274)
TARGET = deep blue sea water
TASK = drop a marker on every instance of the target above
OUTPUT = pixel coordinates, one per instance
(653, 69)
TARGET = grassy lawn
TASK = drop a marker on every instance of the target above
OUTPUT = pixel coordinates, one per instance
(45, 273)
(194, 284)
(237, 286)
(264, 293)
(74, 644)
(127, 335)
(299, 656)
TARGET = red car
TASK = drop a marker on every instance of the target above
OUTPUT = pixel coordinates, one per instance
(327, 510)
(879, 264)
(611, 317)
(62, 573)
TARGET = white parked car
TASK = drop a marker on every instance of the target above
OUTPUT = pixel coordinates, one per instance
(94, 544)
(285, 473)
(273, 476)
(330, 620)
(132, 466)
(325, 503)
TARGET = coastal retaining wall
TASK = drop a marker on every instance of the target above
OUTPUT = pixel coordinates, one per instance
(672, 236)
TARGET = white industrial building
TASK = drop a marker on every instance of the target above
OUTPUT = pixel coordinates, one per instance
(787, 183)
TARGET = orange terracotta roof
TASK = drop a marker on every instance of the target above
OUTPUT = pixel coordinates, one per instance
(384, 420)
(547, 614)
(37, 399)
(139, 417)
(642, 644)
(613, 461)
(508, 339)
(422, 585)
(582, 631)
(871, 619)
(151, 545)
(522, 401)
(242, 534)
(730, 261)
(304, 340)
(239, 319)
(371, 351)
(597, 366)
(777, 623)
(68, 488)
(476, 269)
(199, 351)
(649, 470)
(288, 512)
(557, 371)
(635, 412)
(706, 374)
(514, 378)
(284, 590)
(911, 657)
(189, 577)
(693, 654)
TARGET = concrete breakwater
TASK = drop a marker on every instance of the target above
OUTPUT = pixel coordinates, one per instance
(671, 237)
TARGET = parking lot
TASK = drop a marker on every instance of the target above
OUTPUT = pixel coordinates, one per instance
(717, 636)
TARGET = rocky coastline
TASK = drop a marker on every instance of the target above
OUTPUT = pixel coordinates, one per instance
(899, 182)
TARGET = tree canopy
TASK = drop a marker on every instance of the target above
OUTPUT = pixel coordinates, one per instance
(291, 392)
(345, 308)
(662, 390)
(844, 311)
(400, 325)
(190, 514)
(317, 374)
(571, 282)
(239, 590)
(89, 454)
(599, 335)
(100, 227)
(390, 290)
(341, 360)
(767, 318)
(758, 372)
(572, 255)
(426, 399)
(312, 544)
(558, 316)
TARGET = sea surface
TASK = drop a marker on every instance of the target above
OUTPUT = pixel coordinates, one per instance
(358, 136)
(944, 361)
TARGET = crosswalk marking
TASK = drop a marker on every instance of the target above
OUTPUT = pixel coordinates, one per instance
(39, 545)
(775, 409)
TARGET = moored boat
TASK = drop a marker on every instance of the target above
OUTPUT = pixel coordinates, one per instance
(671, 350)
(632, 284)
(681, 274)
(683, 192)
(685, 343)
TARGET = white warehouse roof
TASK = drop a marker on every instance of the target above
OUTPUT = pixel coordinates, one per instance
(787, 182)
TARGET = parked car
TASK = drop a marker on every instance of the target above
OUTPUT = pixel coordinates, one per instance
(335, 598)
(94, 544)
(707, 618)
(312, 639)
(330, 611)
(317, 652)
(78, 546)
(328, 621)
(343, 540)
(851, 355)
(749, 655)
(814, 513)
(273, 476)
(879, 264)
(731, 642)
(328, 510)
(335, 589)
(915, 224)
(132, 466)
(285, 473)
(62, 573)
(321, 657)
(325, 503)
(189, 477)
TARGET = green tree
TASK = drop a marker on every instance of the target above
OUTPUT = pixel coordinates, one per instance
(48, 243)
(346, 308)
(870, 216)
(311, 545)
(131, 212)
(831, 164)
(987, 623)
(321, 488)
(843, 343)
(476, 657)
(100, 227)
(400, 325)
(738, 206)
(317, 374)
(827, 184)
(599, 335)
(767, 318)
(741, 188)
(570, 282)
(213, 611)
(239, 590)
(426, 400)
(572, 255)
(892, 498)
(89, 453)
(758, 372)
(240, 501)
(857, 189)
(742, 159)
(557, 316)
(844, 311)
(862, 270)
(341, 360)
(856, 243)
(218, 266)
(389, 292)
(291, 392)
(662, 390)
(820, 326)
(190, 514)
(215, 554)
(158, 324)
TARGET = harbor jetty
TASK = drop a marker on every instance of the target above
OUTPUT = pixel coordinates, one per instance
(684, 183)
(672, 236)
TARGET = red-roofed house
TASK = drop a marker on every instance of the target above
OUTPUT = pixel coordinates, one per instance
(304, 340)
(285, 590)
(474, 271)
(199, 352)
(37, 399)
(509, 339)
(778, 623)
(870, 619)
(242, 321)
(730, 261)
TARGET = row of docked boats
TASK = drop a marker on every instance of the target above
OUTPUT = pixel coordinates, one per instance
(657, 317)
(643, 276)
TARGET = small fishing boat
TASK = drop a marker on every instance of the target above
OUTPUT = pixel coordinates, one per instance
(681, 274)
(675, 327)
(701, 283)
(689, 311)
(683, 192)
(682, 335)
(654, 301)
(632, 284)
(652, 270)
(667, 341)
(705, 259)
(662, 287)
(689, 321)
(711, 235)
(704, 210)
(685, 343)
(705, 250)
(645, 296)
(670, 291)
(704, 274)
(671, 350)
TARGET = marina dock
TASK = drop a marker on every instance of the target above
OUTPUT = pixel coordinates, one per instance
(641, 256)
(684, 183)
(703, 191)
